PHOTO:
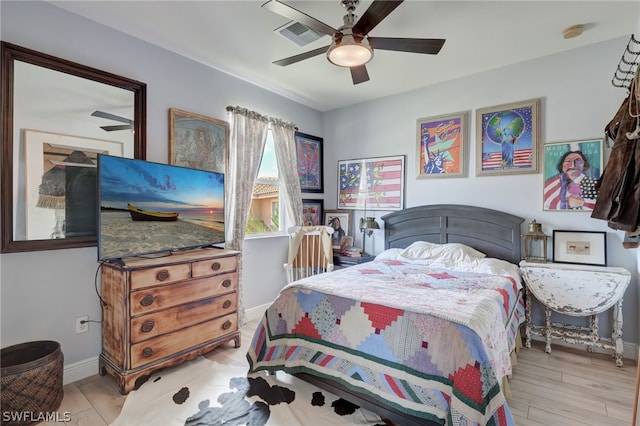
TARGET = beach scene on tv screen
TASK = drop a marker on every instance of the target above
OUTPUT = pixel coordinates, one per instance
(149, 207)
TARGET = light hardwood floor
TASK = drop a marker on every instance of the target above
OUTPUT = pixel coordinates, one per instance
(567, 387)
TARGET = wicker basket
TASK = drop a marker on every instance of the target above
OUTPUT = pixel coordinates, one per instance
(31, 377)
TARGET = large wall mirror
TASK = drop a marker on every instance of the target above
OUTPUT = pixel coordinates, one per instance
(57, 117)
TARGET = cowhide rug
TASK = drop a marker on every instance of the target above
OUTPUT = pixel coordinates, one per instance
(203, 392)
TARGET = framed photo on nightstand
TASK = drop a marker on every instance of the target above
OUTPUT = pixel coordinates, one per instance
(340, 220)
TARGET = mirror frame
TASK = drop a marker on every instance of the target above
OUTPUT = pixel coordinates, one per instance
(11, 53)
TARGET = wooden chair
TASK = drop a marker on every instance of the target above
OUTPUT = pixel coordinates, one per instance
(310, 252)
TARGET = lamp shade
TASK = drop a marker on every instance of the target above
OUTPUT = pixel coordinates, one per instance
(347, 52)
(370, 223)
(367, 225)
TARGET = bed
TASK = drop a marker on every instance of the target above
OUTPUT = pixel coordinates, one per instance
(423, 334)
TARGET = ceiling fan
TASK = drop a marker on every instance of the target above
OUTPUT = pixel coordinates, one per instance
(351, 45)
(113, 117)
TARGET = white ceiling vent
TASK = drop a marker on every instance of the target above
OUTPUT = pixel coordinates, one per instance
(298, 33)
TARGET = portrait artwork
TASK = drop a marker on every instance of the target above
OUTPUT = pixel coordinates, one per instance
(571, 171)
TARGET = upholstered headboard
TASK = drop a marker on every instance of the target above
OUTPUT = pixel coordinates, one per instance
(492, 232)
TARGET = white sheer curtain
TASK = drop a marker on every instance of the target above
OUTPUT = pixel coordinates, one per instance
(285, 146)
(248, 130)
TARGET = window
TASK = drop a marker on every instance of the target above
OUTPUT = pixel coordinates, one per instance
(264, 214)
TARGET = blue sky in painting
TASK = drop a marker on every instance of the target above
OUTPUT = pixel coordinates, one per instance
(159, 187)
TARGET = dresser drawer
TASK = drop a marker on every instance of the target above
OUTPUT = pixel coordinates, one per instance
(163, 322)
(205, 268)
(168, 274)
(170, 344)
(152, 299)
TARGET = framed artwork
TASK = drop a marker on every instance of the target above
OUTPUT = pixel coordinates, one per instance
(507, 139)
(340, 220)
(312, 212)
(571, 170)
(309, 159)
(371, 183)
(441, 146)
(60, 183)
(583, 247)
(197, 141)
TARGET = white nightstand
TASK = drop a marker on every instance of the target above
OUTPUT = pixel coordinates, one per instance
(580, 291)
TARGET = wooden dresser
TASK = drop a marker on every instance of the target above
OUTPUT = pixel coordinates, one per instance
(164, 311)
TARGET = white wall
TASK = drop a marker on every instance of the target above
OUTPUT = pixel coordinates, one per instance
(577, 101)
(42, 293)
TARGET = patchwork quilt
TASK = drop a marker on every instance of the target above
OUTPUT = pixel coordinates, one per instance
(431, 342)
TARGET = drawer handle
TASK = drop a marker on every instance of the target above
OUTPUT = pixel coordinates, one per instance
(226, 283)
(226, 304)
(226, 325)
(162, 275)
(147, 326)
(215, 266)
(147, 352)
(147, 300)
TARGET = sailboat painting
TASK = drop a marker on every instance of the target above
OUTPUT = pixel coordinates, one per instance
(441, 146)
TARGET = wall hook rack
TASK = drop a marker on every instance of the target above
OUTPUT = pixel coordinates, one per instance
(628, 65)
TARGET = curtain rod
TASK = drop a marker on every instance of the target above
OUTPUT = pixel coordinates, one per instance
(258, 116)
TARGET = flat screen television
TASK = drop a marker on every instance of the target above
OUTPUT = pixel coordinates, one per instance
(147, 208)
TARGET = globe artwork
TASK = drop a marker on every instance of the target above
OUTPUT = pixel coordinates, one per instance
(504, 128)
(505, 124)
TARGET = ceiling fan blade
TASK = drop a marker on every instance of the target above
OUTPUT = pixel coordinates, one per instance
(302, 56)
(378, 10)
(117, 127)
(113, 117)
(294, 14)
(414, 45)
(359, 74)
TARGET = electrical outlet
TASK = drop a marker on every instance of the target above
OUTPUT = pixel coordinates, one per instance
(82, 324)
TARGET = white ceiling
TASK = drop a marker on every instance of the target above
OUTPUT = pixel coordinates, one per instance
(237, 37)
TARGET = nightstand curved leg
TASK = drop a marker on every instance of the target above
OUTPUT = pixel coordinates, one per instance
(617, 333)
(593, 323)
(527, 316)
(547, 329)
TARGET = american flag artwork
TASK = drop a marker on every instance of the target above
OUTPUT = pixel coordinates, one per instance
(493, 160)
(377, 181)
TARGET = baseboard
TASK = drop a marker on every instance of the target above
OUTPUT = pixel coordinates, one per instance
(80, 370)
(255, 313)
(629, 351)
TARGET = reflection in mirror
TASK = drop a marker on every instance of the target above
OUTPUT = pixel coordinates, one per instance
(57, 117)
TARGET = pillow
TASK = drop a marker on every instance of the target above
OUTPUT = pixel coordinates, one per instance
(450, 253)
(419, 250)
(390, 254)
(469, 251)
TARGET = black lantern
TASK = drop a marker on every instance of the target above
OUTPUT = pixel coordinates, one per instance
(535, 244)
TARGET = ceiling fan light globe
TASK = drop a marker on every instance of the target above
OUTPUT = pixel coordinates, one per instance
(349, 53)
